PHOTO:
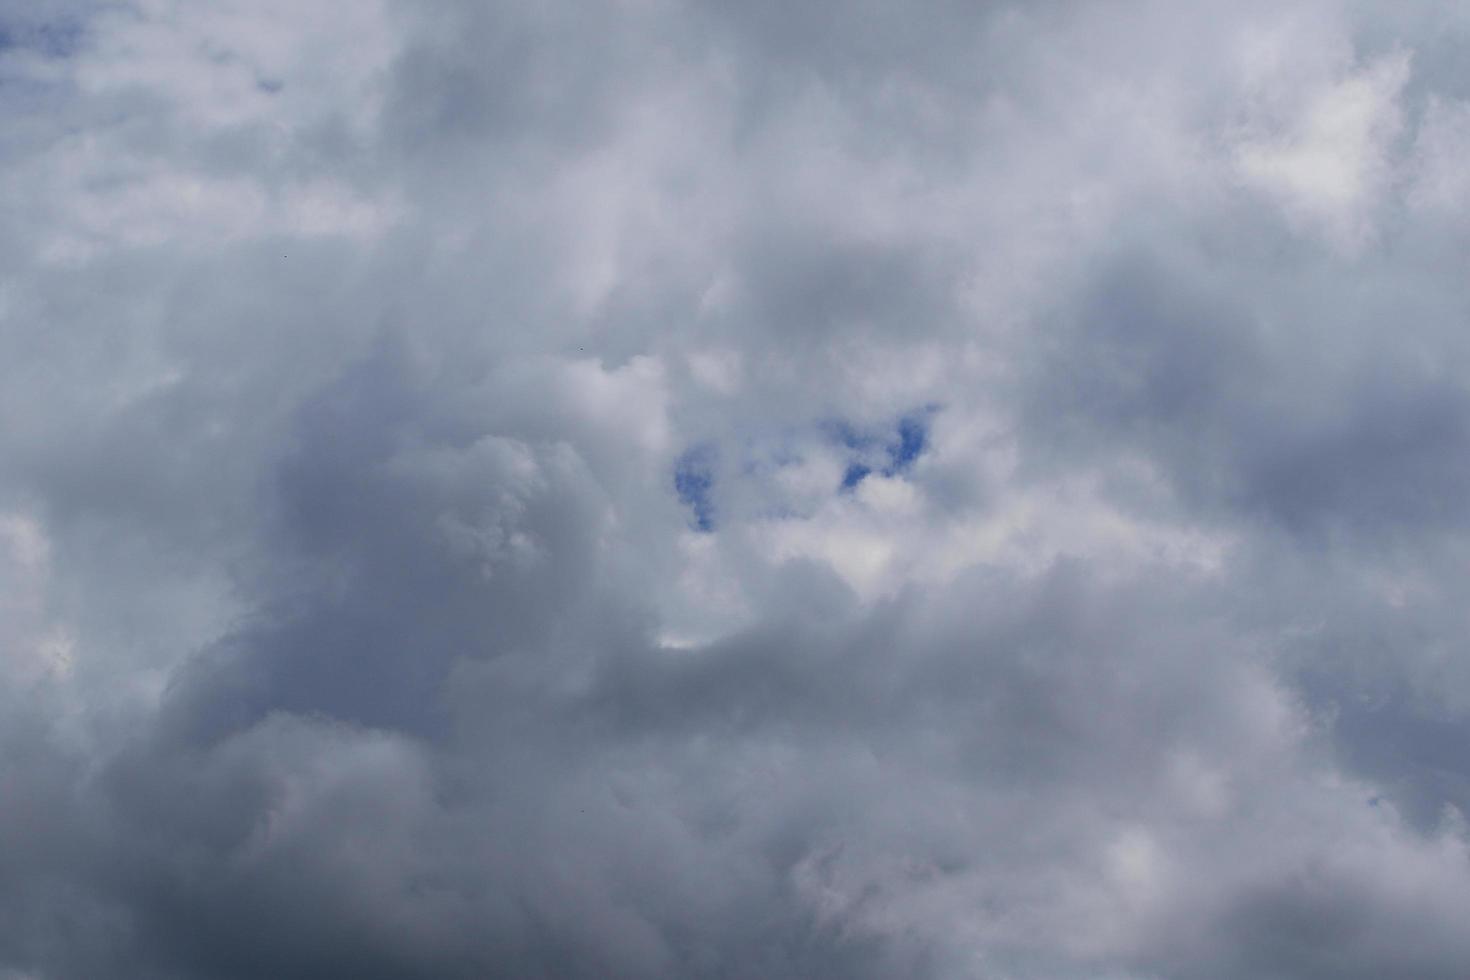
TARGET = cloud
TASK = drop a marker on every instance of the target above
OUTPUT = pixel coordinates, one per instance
(674, 489)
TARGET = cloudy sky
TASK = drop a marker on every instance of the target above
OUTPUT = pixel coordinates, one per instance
(656, 489)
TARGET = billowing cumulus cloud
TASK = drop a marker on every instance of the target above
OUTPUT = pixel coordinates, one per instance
(655, 489)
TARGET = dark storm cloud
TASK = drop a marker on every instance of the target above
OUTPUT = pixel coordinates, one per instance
(667, 490)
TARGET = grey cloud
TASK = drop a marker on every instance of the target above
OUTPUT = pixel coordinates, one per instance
(431, 544)
(1350, 439)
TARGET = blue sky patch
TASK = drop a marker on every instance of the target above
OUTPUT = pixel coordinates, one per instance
(891, 454)
(694, 479)
(913, 437)
(854, 474)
